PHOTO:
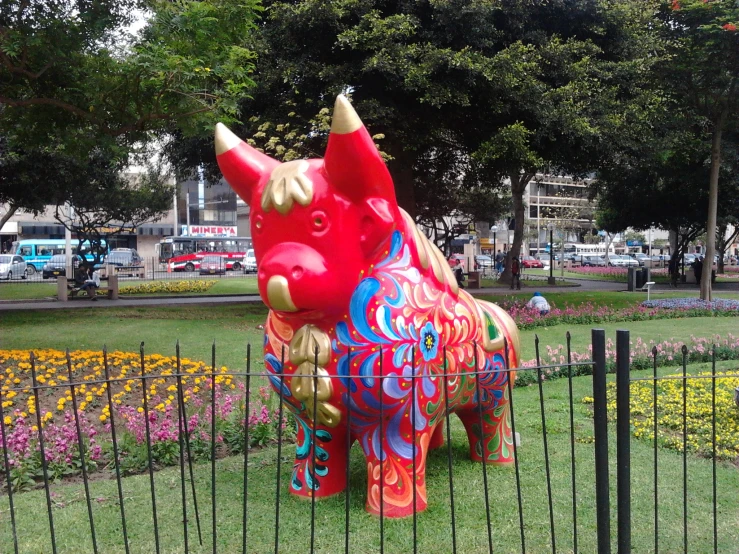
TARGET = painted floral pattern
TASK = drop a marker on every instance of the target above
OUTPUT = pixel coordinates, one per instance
(402, 344)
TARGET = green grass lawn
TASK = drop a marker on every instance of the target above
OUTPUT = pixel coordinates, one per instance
(434, 527)
(232, 326)
(36, 291)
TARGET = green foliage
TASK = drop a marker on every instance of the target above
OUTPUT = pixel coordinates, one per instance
(79, 87)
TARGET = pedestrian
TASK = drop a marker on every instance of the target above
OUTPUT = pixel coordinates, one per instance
(499, 258)
(674, 271)
(698, 270)
(515, 273)
(91, 284)
(459, 275)
(538, 302)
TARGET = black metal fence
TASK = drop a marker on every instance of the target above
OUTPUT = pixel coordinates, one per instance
(149, 269)
(176, 471)
(690, 493)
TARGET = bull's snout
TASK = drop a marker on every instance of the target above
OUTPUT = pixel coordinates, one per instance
(278, 294)
(288, 273)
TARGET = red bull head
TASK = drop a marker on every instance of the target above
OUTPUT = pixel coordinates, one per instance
(315, 223)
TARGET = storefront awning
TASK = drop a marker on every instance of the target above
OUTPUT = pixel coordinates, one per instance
(160, 230)
(35, 228)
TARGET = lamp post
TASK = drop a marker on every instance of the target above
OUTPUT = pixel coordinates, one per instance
(551, 281)
(494, 229)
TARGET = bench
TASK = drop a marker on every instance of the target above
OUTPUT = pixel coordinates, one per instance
(66, 290)
(473, 279)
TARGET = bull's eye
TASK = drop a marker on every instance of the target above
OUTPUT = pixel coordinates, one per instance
(319, 221)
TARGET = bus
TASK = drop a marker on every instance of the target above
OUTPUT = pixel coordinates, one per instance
(599, 249)
(36, 252)
(185, 253)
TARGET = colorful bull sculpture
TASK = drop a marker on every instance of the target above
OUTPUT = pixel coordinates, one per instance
(365, 308)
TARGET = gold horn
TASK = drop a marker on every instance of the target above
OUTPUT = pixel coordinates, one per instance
(345, 120)
(225, 139)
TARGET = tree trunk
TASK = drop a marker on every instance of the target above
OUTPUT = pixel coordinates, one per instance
(7, 215)
(401, 170)
(518, 187)
(673, 241)
(712, 209)
(721, 244)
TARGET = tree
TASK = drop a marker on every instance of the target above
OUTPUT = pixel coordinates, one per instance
(25, 178)
(661, 184)
(73, 79)
(635, 236)
(479, 81)
(571, 77)
(106, 200)
(704, 74)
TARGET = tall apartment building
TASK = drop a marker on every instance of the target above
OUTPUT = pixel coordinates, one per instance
(562, 202)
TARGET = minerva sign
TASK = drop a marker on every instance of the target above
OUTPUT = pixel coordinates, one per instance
(211, 231)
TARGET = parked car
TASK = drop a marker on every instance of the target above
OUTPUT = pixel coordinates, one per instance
(126, 261)
(12, 267)
(57, 266)
(641, 258)
(483, 262)
(594, 261)
(530, 261)
(616, 260)
(212, 265)
(250, 262)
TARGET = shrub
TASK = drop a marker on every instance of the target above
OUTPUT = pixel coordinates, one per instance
(168, 287)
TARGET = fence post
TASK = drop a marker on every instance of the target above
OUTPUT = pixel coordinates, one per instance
(600, 424)
(623, 445)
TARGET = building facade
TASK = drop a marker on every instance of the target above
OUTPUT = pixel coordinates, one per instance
(197, 210)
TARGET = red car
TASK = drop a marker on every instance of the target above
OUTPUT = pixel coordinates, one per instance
(456, 259)
(530, 261)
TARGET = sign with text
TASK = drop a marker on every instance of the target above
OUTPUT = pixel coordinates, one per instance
(210, 231)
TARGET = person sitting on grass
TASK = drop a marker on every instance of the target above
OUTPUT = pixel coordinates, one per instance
(538, 302)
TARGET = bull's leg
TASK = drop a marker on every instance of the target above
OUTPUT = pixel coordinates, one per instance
(494, 442)
(397, 479)
(320, 465)
(437, 438)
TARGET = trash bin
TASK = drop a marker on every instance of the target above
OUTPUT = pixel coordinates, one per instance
(631, 279)
(642, 277)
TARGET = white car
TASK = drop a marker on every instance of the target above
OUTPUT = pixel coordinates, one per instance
(250, 262)
(622, 261)
(12, 267)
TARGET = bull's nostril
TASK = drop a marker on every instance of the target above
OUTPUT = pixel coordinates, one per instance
(297, 272)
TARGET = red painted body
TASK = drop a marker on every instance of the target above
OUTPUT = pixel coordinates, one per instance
(348, 275)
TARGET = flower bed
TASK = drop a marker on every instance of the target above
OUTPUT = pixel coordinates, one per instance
(589, 313)
(698, 410)
(693, 304)
(20, 412)
(168, 287)
(666, 353)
